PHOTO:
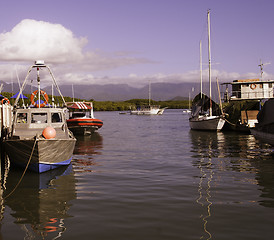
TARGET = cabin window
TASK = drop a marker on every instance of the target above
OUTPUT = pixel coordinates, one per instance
(22, 118)
(78, 114)
(261, 85)
(39, 118)
(270, 85)
(56, 117)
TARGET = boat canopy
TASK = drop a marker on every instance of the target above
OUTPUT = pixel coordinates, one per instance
(202, 104)
(266, 115)
(79, 105)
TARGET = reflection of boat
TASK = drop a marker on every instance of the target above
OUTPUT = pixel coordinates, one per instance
(203, 116)
(264, 129)
(41, 202)
(88, 145)
(81, 119)
(85, 148)
(40, 139)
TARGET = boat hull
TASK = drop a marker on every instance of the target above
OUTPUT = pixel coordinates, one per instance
(155, 112)
(263, 136)
(84, 126)
(48, 154)
(213, 123)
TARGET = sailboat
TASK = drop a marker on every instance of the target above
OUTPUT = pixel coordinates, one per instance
(148, 109)
(206, 114)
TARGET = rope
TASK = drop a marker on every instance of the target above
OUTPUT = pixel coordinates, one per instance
(233, 124)
(24, 170)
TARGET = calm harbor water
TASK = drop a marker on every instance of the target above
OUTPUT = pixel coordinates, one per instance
(147, 177)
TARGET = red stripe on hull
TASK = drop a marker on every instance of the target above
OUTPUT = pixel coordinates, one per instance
(85, 122)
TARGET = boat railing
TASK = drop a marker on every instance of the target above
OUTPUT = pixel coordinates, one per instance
(240, 95)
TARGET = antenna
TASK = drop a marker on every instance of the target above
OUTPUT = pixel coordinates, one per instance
(261, 67)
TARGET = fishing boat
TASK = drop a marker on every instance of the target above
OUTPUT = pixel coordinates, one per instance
(148, 109)
(264, 129)
(39, 139)
(81, 118)
(202, 115)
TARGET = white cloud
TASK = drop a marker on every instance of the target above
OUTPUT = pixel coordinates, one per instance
(31, 40)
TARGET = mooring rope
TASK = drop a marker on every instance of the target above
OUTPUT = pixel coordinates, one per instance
(233, 124)
(36, 139)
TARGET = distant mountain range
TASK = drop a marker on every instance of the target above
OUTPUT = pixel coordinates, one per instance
(123, 92)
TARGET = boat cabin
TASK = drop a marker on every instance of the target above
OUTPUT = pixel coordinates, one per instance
(80, 110)
(30, 122)
(249, 89)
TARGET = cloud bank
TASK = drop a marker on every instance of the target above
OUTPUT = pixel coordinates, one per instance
(31, 40)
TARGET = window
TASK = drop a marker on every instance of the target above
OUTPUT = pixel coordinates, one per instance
(22, 118)
(56, 117)
(39, 118)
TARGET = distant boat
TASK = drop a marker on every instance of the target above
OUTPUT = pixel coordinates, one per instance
(81, 119)
(40, 139)
(186, 111)
(264, 129)
(148, 109)
(202, 117)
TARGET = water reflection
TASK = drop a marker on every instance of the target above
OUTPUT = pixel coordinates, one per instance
(41, 202)
(206, 145)
(85, 148)
(226, 161)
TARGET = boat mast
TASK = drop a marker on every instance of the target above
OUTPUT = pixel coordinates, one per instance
(149, 92)
(72, 92)
(201, 69)
(209, 61)
(39, 87)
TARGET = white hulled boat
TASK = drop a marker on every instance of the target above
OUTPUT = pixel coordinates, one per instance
(202, 117)
(148, 109)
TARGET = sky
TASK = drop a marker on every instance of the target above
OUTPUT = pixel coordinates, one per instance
(136, 41)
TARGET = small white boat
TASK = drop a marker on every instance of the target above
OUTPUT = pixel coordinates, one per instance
(148, 110)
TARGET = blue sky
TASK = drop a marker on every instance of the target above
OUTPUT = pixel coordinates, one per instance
(130, 41)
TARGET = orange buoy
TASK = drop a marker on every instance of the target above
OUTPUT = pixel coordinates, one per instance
(49, 132)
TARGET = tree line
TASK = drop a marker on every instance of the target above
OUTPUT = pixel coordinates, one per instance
(108, 105)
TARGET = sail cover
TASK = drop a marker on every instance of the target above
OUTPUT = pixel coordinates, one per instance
(79, 105)
(202, 104)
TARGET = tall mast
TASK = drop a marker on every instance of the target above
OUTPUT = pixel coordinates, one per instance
(209, 61)
(149, 93)
(201, 69)
(72, 92)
